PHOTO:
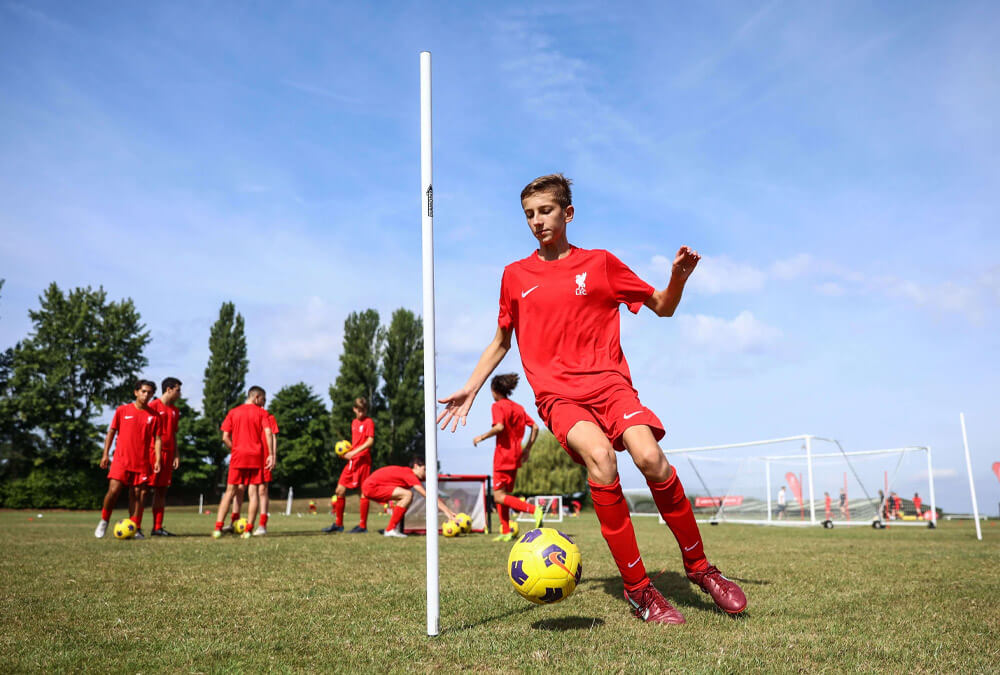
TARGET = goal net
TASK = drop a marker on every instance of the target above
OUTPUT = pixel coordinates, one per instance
(552, 507)
(462, 494)
(806, 480)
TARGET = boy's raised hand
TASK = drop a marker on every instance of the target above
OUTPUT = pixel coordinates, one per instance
(456, 408)
(684, 263)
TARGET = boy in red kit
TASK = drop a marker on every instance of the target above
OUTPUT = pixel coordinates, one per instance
(169, 416)
(359, 466)
(245, 431)
(918, 504)
(827, 504)
(137, 429)
(563, 302)
(392, 484)
(509, 421)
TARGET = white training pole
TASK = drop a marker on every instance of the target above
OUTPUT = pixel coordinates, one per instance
(767, 483)
(930, 476)
(430, 383)
(972, 484)
(201, 504)
(288, 504)
(809, 472)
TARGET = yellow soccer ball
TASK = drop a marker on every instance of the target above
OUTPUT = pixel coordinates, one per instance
(464, 522)
(125, 529)
(451, 529)
(240, 526)
(342, 448)
(515, 529)
(544, 566)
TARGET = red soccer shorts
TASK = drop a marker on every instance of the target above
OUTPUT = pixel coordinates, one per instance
(245, 476)
(130, 478)
(380, 492)
(504, 479)
(265, 475)
(163, 478)
(355, 474)
(613, 412)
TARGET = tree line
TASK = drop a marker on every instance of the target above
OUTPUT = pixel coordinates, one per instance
(83, 354)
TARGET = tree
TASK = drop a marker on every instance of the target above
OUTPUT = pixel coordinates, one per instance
(359, 371)
(400, 426)
(225, 376)
(549, 470)
(197, 443)
(82, 355)
(303, 436)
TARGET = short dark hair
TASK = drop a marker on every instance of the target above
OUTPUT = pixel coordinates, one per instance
(361, 403)
(139, 384)
(170, 383)
(556, 183)
(256, 390)
(417, 460)
(504, 384)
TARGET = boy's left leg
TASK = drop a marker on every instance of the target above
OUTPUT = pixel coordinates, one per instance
(265, 503)
(137, 504)
(675, 509)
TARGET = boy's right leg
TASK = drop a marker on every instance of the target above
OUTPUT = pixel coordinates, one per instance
(338, 511)
(401, 498)
(588, 441)
(227, 497)
(110, 499)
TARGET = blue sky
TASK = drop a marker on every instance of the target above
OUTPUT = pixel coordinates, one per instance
(833, 163)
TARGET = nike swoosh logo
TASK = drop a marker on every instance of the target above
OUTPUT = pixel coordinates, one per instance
(631, 415)
(525, 293)
(128, 417)
(688, 548)
(635, 562)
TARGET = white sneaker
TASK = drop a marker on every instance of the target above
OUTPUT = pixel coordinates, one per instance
(102, 527)
(260, 531)
(138, 535)
(393, 533)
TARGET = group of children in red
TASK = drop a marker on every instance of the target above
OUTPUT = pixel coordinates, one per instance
(562, 303)
(145, 454)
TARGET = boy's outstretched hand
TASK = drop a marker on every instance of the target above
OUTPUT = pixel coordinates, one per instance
(456, 408)
(684, 263)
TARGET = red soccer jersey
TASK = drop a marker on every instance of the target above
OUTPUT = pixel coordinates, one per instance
(917, 504)
(137, 430)
(169, 417)
(273, 425)
(362, 430)
(246, 424)
(393, 477)
(507, 456)
(566, 319)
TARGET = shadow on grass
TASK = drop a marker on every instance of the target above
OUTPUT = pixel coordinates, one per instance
(568, 623)
(489, 619)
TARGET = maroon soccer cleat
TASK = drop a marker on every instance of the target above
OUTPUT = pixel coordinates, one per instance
(649, 605)
(727, 595)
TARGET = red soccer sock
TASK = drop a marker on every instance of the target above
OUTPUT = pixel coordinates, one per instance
(364, 513)
(397, 515)
(137, 519)
(675, 509)
(339, 509)
(518, 504)
(504, 513)
(234, 517)
(105, 514)
(157, 519)
(250, 524)
(616, 526)
(263, 520)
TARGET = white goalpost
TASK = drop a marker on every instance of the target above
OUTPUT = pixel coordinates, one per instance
(769, 483)
(430, 382)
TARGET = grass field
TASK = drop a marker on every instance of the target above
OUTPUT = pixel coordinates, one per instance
(848, 599)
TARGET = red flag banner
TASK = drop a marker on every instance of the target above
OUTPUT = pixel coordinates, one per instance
(793, 483)
(996, 469)
(731, 500)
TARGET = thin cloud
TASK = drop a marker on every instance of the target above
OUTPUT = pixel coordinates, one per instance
(743, 334)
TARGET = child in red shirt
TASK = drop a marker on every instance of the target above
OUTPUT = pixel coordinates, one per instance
(359, 467)
(509, 421)
(163, 407)
(138, 429)
(563, 302)
(246, 432)
(393, 484)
